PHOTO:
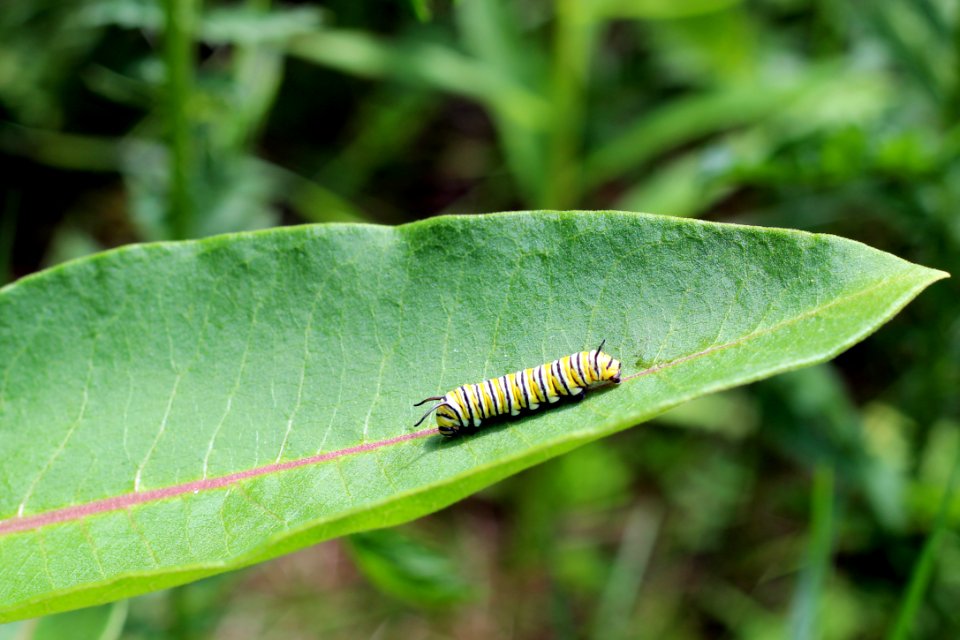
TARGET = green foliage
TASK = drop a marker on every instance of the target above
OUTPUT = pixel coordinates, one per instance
(409, 570)
(829, 117)
(96, 623)
(176, 363)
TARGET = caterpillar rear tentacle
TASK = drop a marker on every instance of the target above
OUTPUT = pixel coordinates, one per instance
(465, 407)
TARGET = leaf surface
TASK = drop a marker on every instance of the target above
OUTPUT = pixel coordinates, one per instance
(171, 411)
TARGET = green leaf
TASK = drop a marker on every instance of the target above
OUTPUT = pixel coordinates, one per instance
(175, 410)
(95, 623)
(431, 65)
(408, 570)
(219, 26)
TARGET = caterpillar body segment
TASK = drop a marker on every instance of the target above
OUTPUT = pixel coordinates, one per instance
(464, 408)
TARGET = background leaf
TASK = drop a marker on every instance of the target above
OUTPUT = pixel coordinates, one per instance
(187, 408)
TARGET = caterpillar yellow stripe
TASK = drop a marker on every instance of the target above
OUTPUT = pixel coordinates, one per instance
(464, 408)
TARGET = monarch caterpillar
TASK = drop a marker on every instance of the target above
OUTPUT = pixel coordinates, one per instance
(466, 406)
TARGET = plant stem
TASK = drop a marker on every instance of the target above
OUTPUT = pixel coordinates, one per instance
(572, 45)
(179, 16)
(805, 611)
(923, 568)
(618, 600)
(953, 106)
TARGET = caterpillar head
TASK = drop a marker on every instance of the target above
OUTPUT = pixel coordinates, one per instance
(608, 367)
(448, 423)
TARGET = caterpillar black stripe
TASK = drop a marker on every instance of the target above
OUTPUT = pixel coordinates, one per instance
(467, 406)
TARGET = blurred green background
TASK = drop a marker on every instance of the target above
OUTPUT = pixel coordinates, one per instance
(815, 505)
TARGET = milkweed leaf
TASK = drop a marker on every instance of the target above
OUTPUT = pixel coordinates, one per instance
(175, 410)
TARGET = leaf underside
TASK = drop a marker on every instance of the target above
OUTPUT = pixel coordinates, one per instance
(171, 411)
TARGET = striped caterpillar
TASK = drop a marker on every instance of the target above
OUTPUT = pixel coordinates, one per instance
(465, 407)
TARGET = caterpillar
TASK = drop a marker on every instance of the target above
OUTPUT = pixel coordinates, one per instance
(464, 408)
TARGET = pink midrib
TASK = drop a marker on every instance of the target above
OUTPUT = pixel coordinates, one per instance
(127, 500)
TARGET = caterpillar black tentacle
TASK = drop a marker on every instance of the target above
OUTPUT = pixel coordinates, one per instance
(464, 408)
